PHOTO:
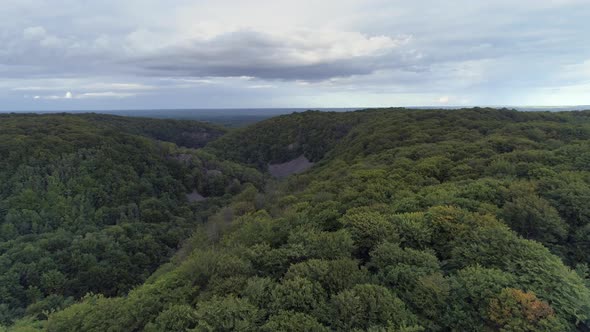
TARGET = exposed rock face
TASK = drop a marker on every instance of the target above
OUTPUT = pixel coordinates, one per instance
(195, 197)
(294, 166)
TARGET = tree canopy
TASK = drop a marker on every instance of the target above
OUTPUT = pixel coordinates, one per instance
(410, 220)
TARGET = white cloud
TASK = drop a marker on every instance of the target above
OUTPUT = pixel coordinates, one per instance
(35, 88)
(61, 85)
(312, 46)
(119, 86)
(51, 41)
(39, 34)
(108, 94)
(88, 95)
(444, 100)
(34, 33)
(261, 86)
(67, 95)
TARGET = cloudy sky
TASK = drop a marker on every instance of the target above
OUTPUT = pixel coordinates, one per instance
(137, 54)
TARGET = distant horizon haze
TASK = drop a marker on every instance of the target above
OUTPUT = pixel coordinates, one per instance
(256, 110)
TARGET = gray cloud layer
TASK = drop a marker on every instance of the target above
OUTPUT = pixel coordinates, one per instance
(72, 54)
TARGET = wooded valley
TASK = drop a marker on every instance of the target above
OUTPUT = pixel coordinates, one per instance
(409, 220)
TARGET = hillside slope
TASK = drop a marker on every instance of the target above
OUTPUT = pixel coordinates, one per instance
(87, 207)
(311, 134)
(185, 133)
(413, 220)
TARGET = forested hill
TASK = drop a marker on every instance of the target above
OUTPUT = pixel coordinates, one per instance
(286, 137)
(186, 133)
(87, 207)
(410, 220)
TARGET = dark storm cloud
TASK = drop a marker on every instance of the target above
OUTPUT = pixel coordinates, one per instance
(252, 54)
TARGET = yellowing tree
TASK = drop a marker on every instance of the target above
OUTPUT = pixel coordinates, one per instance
(516, 310)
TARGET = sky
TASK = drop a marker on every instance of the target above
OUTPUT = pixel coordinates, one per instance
(156, 54)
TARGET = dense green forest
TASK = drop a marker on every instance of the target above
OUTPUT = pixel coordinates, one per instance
(86, 207)
(410, 220)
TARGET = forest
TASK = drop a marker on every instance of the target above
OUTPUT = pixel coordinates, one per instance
(409, 220)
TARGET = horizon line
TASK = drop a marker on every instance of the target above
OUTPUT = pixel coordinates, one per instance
(294, 108)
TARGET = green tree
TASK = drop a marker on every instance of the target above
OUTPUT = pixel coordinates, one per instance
(175, 318)
(368, 229)
(289, 321)
(300, 295)
(471, 291)
(334, 275)
(534, 218)
(227, 314)
(366, 306)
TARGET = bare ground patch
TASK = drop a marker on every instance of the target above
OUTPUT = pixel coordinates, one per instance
(295, 166)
